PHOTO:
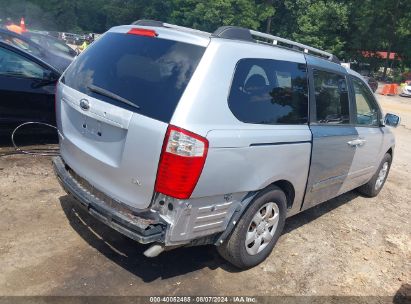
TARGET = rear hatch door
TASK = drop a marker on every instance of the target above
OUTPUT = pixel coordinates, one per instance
(113, 107)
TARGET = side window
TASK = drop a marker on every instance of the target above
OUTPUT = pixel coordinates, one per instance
(266, 91)
(367, 109)
(331, 96)
(12, 64)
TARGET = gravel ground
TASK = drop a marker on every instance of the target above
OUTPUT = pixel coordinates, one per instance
(347, 246)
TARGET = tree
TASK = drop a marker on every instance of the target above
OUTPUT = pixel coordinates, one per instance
(379, 26)
(209, 15)
(323, 24)
(343, 27)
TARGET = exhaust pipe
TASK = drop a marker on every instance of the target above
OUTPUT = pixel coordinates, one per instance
(154, 251)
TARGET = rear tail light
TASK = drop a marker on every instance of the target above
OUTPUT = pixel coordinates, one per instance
(142, 32)
(181, 162)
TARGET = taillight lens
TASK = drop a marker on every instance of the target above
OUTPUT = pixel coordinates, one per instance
(142, 32)
(181, 162)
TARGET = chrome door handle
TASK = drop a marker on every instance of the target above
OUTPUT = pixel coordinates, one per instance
(357, 142)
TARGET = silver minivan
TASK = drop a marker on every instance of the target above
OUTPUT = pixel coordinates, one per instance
(177, 137)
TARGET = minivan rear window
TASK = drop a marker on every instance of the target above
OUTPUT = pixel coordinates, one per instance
(150, 72)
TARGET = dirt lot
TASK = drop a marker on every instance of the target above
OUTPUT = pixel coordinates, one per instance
(347, 246)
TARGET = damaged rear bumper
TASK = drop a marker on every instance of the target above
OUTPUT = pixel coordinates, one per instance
(145, 226)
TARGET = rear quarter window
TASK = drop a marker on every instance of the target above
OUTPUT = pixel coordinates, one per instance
(150, 72)
(266, 91)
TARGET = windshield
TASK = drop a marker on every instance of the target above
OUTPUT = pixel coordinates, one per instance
(151, 73)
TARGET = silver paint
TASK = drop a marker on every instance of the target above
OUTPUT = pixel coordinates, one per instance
(237, 165)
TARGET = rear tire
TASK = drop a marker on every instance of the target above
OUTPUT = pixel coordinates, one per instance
(258, 230)
(375, 184)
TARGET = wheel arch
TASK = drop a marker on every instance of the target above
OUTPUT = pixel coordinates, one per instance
(390, 151)
(284, 185)
(288, 188)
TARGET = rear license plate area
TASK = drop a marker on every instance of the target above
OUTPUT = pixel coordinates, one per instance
(91, 126)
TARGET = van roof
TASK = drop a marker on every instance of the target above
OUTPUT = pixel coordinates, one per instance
(229, 32)
(154, 23)
(242, 34)
(180, 34)
(354, 73)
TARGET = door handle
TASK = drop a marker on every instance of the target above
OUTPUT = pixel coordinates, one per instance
(357, 142)
(354, 143)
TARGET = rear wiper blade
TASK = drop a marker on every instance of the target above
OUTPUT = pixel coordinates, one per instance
(109, 94)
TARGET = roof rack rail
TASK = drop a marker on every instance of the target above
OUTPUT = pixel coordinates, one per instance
(155, 23)
(239, 33)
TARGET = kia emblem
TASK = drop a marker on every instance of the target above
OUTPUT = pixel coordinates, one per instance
(84, 104)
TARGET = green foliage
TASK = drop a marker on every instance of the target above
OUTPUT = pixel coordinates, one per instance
(323, 24)
(344, 27)
(209, 15)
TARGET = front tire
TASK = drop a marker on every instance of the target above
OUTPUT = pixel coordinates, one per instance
(258, 230)
(375, 184)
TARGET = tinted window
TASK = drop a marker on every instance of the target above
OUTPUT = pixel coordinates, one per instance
(149, 72)
(331, 96)
(266, 91)
(367, 109)
(14, 65)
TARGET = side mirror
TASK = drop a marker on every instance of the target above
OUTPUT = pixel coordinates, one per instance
(392, 120)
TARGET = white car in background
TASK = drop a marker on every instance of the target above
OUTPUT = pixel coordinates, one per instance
(406, 91)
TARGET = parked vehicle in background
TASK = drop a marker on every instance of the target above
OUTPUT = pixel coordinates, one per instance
(73, 39)
(364, 69)
(177, 137)
(372, 82)
(406, 90)
(59, 60)
(50, 33)
(27, 86)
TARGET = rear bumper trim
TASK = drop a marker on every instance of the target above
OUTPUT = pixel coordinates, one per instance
(146, 227)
